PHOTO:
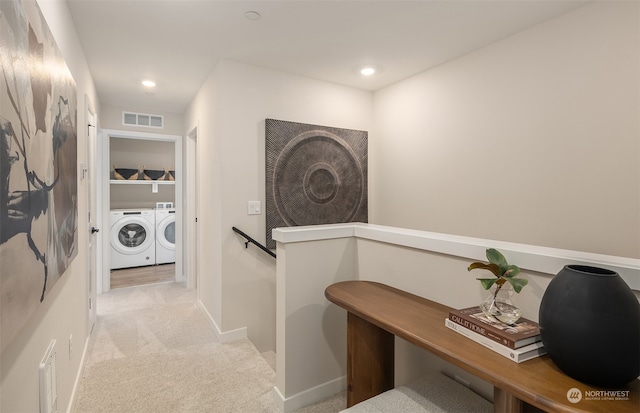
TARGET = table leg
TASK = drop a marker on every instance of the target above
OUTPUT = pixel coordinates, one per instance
(370, 360)
(504, 401)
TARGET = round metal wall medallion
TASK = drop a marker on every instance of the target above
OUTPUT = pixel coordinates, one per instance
(317, 179)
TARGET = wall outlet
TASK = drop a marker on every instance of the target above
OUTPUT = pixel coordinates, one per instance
(70, 346)
(254, 208)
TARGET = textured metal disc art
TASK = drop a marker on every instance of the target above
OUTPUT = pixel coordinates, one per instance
(315, 175)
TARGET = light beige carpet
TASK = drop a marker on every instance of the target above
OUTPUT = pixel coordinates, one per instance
(152, 350)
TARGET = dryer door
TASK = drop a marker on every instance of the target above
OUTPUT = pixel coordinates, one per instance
(166, 232)
(131, 235)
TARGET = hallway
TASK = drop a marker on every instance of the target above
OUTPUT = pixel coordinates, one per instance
(152, 350)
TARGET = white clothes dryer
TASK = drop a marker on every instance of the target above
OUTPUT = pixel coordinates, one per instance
(132, 238)
(165, 235)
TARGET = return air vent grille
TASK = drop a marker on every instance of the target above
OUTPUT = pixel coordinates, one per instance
(49, 381)
(142, 119)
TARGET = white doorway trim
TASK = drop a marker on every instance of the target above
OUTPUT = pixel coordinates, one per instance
(91, 174)
(107, 134)
(192, 244)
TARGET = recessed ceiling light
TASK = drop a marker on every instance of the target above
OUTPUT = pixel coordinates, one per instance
(367, 71)
(148, 83)
(252, 15)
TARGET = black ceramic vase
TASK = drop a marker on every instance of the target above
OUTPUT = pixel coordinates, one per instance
(590, 326)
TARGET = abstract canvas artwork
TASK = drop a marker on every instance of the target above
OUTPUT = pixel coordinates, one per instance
(38, 164)
(314, 175)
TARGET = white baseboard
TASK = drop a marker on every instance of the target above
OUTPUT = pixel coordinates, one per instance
(76, 383)
(310, 396)
(223, 336)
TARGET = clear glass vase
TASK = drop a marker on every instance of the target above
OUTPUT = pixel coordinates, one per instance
(498, 305)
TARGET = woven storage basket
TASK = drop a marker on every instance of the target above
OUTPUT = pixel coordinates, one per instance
(153, 174)
(125, 174)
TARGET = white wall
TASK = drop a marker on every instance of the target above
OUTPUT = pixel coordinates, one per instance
(318, 356)
(64, 310)
(238, 284)
(534, 139)
(201, 112)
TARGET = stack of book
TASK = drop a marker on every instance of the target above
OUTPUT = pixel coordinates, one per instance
(518, 342)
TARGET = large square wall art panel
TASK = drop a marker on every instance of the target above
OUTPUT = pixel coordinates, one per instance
(38, 165)
(314, 175)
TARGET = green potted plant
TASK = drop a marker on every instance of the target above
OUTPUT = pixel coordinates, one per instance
(498, 305)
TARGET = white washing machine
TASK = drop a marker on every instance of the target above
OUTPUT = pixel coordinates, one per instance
(132, 238)
(165, 235)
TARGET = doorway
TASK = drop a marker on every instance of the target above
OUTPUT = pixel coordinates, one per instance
(192, 247)
(116, 214)
(91, 176)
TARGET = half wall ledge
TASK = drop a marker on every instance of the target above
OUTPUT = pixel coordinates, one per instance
(531, 257)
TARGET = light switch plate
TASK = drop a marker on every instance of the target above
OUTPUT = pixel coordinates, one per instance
(254, 208)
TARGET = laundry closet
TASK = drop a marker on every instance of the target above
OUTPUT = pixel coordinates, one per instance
(142, 213)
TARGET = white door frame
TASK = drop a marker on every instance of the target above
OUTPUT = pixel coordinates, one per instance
(191, 234)
(107, 134)
(92, 185)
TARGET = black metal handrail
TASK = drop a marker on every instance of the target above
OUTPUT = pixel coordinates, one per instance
(251, 240)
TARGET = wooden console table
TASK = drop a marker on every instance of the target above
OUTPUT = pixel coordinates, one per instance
(377, 313)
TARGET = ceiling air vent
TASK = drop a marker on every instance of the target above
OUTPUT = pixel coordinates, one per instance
(142, 119)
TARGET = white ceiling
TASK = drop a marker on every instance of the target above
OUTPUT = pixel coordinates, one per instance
(178, 42)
